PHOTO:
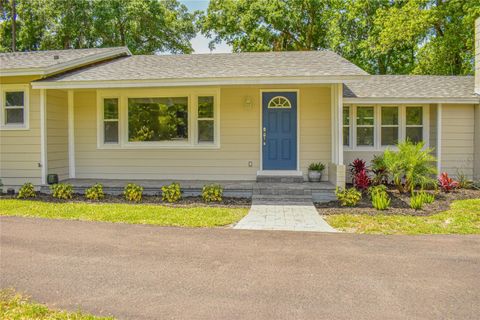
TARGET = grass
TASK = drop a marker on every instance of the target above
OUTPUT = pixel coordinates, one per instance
(14, 306)
(126, 213)
(462, 218)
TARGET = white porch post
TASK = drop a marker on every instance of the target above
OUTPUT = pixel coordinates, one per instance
(71, 136)
(439, 137)
(43, 135)
(337, 123)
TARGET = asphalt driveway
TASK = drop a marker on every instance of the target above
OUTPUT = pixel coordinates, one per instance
(147, 272)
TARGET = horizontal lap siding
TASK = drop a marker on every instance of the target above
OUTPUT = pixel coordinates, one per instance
(20, 149)
(239, 130)
(315, 127)
(458, 130)
(239, 141)
(57, 133)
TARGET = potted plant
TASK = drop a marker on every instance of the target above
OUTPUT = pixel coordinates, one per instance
(315, 171)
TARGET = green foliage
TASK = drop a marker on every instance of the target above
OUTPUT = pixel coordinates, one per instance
(62, 191)
(95, 192)
(379, 169)
(380, 197)
(316, 166)
(426, 197)
(212, 193)
(417, 201)
(463, 181)
(145, 26)
(26, 191)
(133, 192)
(171, 193)
(1, 187)
(348, 197)
(411, 166)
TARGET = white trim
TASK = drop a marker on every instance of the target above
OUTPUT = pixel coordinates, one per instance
(71, 135)
(439, 137)
(43, 135)
(410, 100)
(60, 67)
(97, 84)
(339, 110)
(297, 91)
(192, 96)
(25, 88)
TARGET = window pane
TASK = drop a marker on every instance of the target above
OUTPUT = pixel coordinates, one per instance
(415, 134)
(346, 136)
(157, 119)
(365, 136)
(14, 116)
(14, 99)
(390, 116)
(110, 134)
(346, 116)
(110, 109)
(205, 107)
(414, 116)
(205, 131)
(389, 136)
(365, 116)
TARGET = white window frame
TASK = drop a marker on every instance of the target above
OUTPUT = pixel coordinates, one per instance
(197, 142)
(399, 124)
(355, 126)
(192, 96)
(103, 120)
(378, 125)
(349, 125)
(25, 88)
(414, 125)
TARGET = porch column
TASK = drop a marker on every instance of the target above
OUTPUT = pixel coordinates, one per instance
(439, 138)
(43, 135)
(336, 169)
(71, 136)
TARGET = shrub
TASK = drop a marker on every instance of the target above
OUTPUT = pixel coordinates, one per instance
(379, 169)
(357, 166)
(26, 191)
(426, 197)
(463, 181)
(95, 192)
(446, 183)
(316, 166)
(133, 192)
(171, 193)
(212, 193)
(381, 201)
(62, 191)
(411, 166)
(416, 201)
(361, 181)
(348, 197)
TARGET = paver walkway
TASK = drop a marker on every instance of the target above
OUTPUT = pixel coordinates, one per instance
(284, 216)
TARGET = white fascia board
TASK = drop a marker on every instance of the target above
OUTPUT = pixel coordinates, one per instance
(61, 67)
(192, 82)
(472, 100)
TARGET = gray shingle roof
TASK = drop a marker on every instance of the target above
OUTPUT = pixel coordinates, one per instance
(45, 59)
(230, 65)
(391, 86)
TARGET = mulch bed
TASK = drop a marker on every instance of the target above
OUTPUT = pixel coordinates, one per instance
(157, 200)
(400, 204)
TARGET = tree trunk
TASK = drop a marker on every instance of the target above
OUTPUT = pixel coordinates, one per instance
(14, 26)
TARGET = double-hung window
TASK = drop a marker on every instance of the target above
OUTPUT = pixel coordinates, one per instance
(110, 121)
(346, 126)
(206, 119)
(389, 134)
(414, 124)
(365, 126)
(14, 107)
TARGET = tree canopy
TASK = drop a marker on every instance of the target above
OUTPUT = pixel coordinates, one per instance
(145, 26)
(381, 36)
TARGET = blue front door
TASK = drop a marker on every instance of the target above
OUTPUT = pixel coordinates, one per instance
(279, 130)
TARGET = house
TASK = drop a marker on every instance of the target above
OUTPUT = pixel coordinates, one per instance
(107, 114)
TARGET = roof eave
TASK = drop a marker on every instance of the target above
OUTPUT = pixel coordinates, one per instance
(43, 84)
(390, 100)
(62, 67)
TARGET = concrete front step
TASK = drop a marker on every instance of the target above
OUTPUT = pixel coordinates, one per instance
(280, 179)
(276, 199)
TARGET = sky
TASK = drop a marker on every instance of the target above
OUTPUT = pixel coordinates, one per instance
(200, 42)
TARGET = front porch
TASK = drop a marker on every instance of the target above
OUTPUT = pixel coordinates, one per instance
(258, 191)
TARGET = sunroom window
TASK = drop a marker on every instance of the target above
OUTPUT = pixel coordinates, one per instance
(390, 125)
(14, 108)
(414, 124)
(206, 125)
(157, 119)
(365, 126)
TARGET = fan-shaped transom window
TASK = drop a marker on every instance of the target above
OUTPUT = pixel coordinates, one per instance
(279, 102)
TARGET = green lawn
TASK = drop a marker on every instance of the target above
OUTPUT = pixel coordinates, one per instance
(127, 213)
(462, 218)
(14, 306)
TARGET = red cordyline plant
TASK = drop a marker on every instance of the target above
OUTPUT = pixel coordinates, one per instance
(361, 181)
(357, 166)
(446, 183)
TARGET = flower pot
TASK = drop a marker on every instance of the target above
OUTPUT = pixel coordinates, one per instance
(314, 176)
